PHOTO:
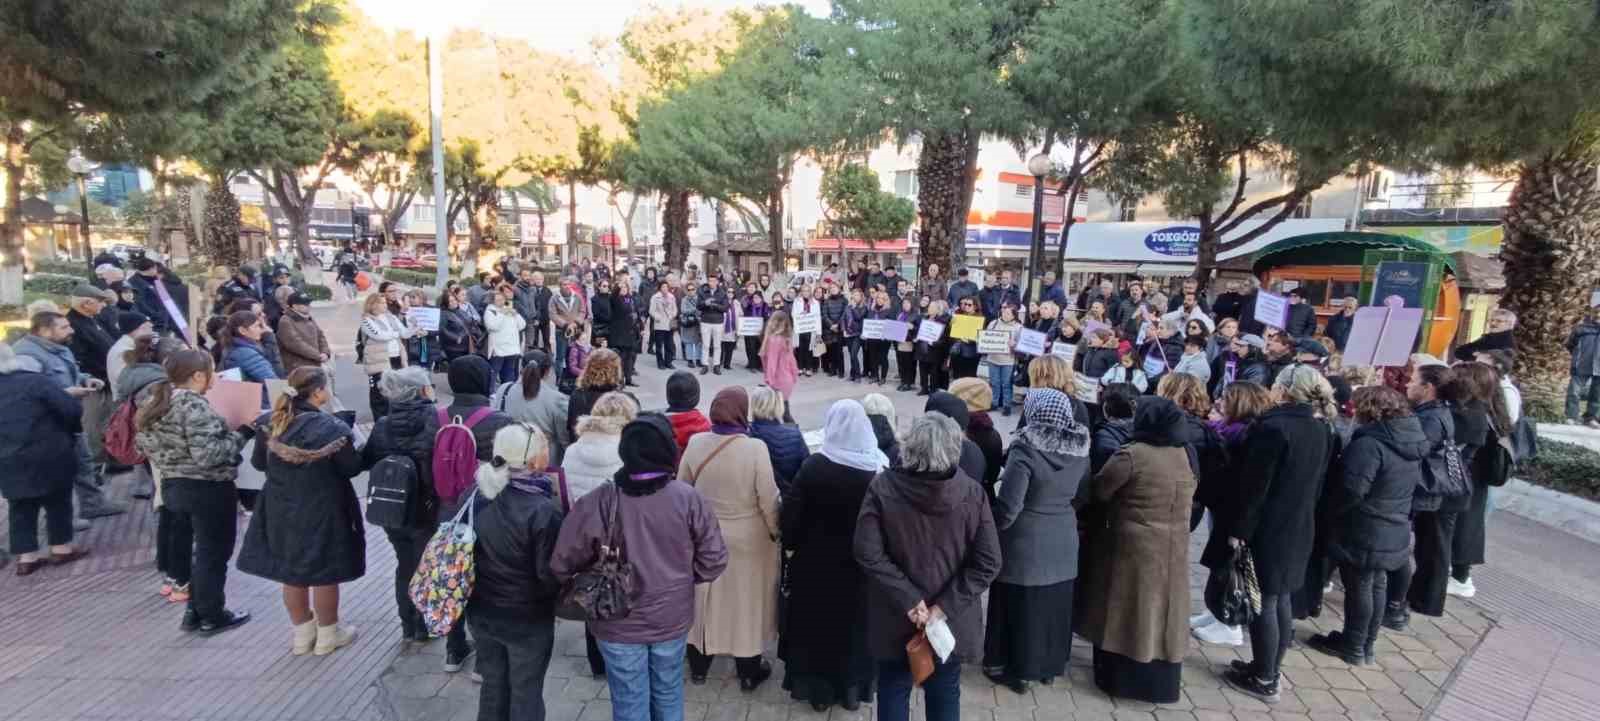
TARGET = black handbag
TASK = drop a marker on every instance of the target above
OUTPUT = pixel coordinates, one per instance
(602, 591)
(1237, 600)
(1443, 472)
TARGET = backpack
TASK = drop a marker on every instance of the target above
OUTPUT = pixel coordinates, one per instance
(446, 573)
(393, 490)
(120, 434)
(455, 453)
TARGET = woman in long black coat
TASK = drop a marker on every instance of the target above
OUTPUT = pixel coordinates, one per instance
(1434, 517)
(1290, 450)
(307, 532)
(1478, 405)
(1369, 516)
(625, 328)
(824, 640)
(38, 435)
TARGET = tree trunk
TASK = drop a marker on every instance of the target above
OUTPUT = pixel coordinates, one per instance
(1552, 234)
(721, 224)
(11, 229)
(780, 262)
(675, 229)
(944, 192)
(222, 225)
(1205, 254)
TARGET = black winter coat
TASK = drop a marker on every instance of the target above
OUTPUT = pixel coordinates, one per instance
(981, 431)
(824, 625)
(712, 304)
(91, 341)
(1487, 341)
(1207, 456)
(1370, 506)
(1095, 362)
(887, 442)
(409, 430)
(834, 308)
(1108, 438)
(624, 322)
(455, 332)
(786, 447)
(517, 527)
(1248, 369)
(1439, 426)
(1338, 329)
(1302, 321)
(1472, 432)
(307, 529)
(1274, 503)
(38, 436)
(601, 307)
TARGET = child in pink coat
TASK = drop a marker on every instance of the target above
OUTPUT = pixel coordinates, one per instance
(778, 366)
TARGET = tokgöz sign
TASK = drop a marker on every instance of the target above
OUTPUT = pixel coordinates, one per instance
(1177, 241)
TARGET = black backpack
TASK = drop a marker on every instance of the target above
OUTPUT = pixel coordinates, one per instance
(394, 490)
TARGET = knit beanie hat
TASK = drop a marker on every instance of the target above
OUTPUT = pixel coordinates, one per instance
(647, 445)
(129, 321)
(683, 392)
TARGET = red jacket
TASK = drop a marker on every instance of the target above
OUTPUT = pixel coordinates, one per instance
(686, 424)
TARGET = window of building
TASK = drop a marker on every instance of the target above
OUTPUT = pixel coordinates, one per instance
(905, 183)
(1303, 210)
(1024, 191)
(1083, 197)
(1338, 290)
(422, 213)
(1128, 210)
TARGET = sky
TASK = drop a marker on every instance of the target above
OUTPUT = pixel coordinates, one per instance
(564, 26)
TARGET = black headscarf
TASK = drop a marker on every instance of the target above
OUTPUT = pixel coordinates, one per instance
(948, 404)
(1158, 422)
(649, 455)
(683, 392)
(469, 375)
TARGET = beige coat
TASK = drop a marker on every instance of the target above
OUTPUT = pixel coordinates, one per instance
(1136, 558)
(737, 614)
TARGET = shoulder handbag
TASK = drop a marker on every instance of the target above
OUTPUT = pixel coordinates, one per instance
(1443, 472)
(1495, 459)
(445, 576)
(698, 469)
(602, 591)
(919, 656)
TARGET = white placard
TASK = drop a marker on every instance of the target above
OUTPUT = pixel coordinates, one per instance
(1066, 351)
(994, 341)
(751, 326)
(810, 323)
(872, 330)
(1030, 342)
(930, 332)
(1272, 309)
(424, 318)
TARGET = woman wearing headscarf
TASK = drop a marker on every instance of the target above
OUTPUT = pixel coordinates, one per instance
(1272, 510)
(881, 412)
(925, 541)
(736, 614)
(1029, 634)
(1137, 600)
(672, 541)
(824, 644)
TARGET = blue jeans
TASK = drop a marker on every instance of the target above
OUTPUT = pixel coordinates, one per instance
(505, 369)
(559, 362)
(1583, 388)
(1000, 385)
(941, 692)
(691, 350)
(646, 680)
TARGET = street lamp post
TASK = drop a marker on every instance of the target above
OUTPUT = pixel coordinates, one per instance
(81, 168)
(1039, 166)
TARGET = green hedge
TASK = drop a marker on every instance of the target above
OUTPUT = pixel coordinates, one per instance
(410, 277)
(55, 266)
(1565, 467)
(319, 292)
(52, 283)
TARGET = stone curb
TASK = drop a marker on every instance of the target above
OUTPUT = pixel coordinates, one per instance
(1577, 516)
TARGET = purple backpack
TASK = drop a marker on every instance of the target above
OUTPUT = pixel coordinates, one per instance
(455, 454)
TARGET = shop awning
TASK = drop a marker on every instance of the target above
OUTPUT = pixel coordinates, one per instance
(1340, 248)
(898, 245)
(1165, 269)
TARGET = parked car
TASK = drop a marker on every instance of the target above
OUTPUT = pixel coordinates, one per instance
(403, 260)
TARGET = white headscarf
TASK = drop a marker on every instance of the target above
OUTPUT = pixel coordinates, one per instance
(848, 440)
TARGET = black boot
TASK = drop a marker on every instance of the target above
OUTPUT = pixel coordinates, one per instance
(1251, 684)
(1396, 617)
(1333, 643)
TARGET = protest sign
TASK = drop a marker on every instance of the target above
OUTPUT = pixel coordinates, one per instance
(810, 322)
(1066, 351)
(966, 327)
(1272, 309)
(1094, 325)
(994, 341)
(751, 326)
(895, 330)
(1030, 342)
(1399, 279)
(872, 330)
(930, 332)
(237, 402)
(424, 318)
(1382, 337)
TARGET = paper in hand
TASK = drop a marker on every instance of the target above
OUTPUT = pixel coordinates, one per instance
(940, 637)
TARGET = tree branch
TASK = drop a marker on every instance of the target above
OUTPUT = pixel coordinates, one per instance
(1284, 212)
(1238, 191)
(1289, 201)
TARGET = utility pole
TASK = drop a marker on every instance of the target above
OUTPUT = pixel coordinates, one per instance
(441, 229)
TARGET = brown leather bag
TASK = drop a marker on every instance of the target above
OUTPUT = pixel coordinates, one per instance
(919, 654)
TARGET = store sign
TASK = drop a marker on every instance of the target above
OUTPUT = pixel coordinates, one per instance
(1177, 241)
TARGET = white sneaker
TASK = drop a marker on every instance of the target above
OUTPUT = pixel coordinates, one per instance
(305, 637)
(333, 638)
(1203, 619)
(1461, 590)
(1220, 634)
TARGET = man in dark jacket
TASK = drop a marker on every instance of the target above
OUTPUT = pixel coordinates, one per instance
(147, 297)
(91, 343)
(1498, 336)
(241, 285)
(712, 302)
(1584, 345)
(1190, 285)
(962, 288)
(1302, 316)
(408, 431)
(1229, 302)
(1341, 323)
(1369, 512)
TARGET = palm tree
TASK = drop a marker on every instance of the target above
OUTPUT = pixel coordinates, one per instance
(543, 201)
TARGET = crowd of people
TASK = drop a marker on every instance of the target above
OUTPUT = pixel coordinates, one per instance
(1168, 414)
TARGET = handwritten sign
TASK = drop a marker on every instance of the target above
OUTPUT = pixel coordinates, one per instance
(872, 329)
(751, 326)
(1272, 309)
(1094, 325)
(896, 330)
(1030, 342)
(966, 327)
(930, 332)
(810, 322)
(424, 318)
(994, 341)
